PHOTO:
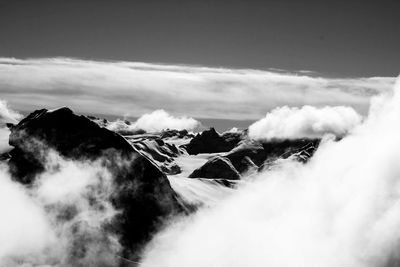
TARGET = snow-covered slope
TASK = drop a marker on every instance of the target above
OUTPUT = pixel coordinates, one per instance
(206, 192)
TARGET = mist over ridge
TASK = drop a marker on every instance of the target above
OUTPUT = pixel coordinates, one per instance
(339, 209)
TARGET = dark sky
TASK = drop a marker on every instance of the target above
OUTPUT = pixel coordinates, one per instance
(337, 38)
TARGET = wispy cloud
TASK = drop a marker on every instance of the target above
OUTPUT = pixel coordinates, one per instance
(131, 88)
(339, 209)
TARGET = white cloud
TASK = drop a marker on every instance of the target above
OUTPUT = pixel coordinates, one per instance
(233, 130)
(155, 121)
(306, 122)
(120, 125)
(24, 226)
(131, 88)
(159, 120)
(59, 220)
(339, 209)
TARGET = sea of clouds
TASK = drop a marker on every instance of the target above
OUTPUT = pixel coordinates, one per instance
(339, 209)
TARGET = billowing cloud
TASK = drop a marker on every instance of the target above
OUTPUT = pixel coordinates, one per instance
(159, 120)
(132, 89)
(155, 121)
(306, 122)
(339, 209)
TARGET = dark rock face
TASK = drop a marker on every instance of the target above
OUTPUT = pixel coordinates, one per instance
(247, 151)
(233, 137)
(246, 165)
(249, 154)
(286, 148)
(4, 156)
(216, 167)
(143, 193)
(98, 121)
(74, 137)
(210, 141)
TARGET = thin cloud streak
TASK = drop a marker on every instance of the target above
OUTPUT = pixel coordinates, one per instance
(133, 88)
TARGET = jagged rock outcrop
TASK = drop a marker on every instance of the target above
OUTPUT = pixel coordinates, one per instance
(172, 133)
(101, 122)
(216, 167)
(160, 152)
(209, 141)
(245, 153)
(234, 137)
(303, 153)
(246, 166)
(287, 148)
(250, 154)
(143, 194)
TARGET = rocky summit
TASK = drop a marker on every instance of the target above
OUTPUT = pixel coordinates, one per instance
(143, 194)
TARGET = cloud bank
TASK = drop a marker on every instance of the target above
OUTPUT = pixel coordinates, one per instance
(339, 209)
(306, 122)
(133, 89)
(155, 121)
(60, 220)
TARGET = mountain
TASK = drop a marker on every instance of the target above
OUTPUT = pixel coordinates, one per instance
(216, 167)
(143, 194)
(210, 141)
(155, 176)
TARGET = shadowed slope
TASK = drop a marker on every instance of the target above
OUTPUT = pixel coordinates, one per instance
(142, 192)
